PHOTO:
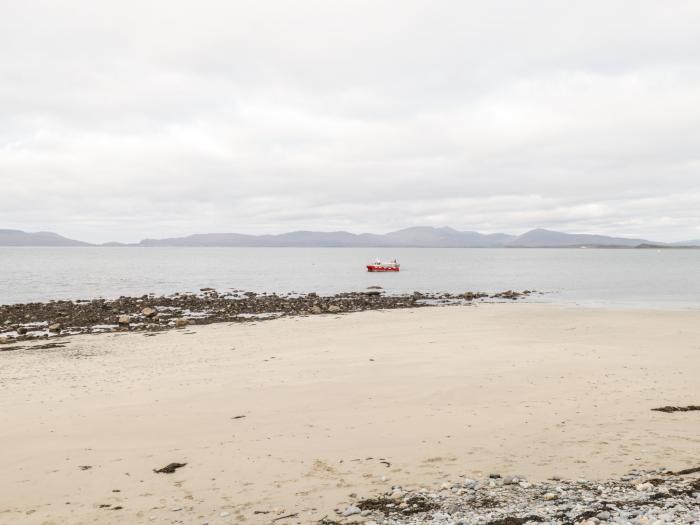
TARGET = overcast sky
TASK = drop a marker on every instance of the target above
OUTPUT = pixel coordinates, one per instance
(121, 120)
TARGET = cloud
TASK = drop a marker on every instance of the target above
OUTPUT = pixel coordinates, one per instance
(124, 120)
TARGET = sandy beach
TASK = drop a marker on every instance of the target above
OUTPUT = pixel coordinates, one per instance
(293, 415)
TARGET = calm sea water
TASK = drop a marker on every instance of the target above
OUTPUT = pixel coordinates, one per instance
(643, 278)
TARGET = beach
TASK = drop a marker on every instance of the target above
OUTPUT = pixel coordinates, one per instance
(293, 415)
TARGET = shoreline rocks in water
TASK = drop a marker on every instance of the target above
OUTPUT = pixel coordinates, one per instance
(641, 497)
(20, 322)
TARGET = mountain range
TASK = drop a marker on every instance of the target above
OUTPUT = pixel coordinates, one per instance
(419, 237)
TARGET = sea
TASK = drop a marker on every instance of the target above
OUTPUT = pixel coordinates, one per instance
(586, 277)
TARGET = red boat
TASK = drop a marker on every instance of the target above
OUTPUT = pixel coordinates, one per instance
(379, 266)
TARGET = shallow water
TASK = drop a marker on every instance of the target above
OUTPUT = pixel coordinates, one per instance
(629, 278)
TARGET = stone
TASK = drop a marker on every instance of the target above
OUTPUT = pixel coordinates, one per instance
(351, 511)
(334, 308)
(605, 515)
(149, 312)
(397, 494)
(4, 340)
(124, 320)
(315, 309)
(494, 476)
(21, 330)
(181, 323)
(549, 496)
(56, 327)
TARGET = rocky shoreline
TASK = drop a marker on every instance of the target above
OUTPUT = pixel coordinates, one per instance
(149, 313)
(640, 497)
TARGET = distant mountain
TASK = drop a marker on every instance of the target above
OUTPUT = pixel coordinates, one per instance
(550, 239)
(695, 242)
(424, 237)
(418, 237)
(20, 238)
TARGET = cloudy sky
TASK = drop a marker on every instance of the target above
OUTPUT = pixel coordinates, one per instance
(127, 119)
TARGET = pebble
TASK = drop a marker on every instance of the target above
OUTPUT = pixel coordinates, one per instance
(351, 511)
(553, 501)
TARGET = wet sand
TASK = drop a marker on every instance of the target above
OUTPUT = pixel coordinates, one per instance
(339, 404)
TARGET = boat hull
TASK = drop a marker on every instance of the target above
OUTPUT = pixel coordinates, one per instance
(373, 268)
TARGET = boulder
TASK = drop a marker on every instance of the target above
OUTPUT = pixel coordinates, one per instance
(124, 320)
(334, 308)
(4, 340)
(21, 330)
(315, 309)
(56, 327)
(149, 312)
(181, 323)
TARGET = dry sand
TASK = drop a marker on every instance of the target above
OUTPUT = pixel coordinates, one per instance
(339, 404)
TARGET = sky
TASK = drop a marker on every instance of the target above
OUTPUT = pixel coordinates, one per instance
(123, 120)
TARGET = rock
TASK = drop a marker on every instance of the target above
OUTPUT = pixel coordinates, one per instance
(508, 480)
(549, 496)
(315, 309)
(149, 312)
(124, 320)
(56, 327)
(21, 330)
(4, 340)
(334, 309)
(494, 476)
(351, 511)
(181, 323)
(605, 515)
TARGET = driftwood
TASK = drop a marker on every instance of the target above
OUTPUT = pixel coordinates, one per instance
(287, 516)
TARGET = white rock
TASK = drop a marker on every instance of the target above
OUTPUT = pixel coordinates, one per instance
(351, 511)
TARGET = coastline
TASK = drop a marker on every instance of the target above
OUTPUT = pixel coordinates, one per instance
(329, 400)
(150, 313)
